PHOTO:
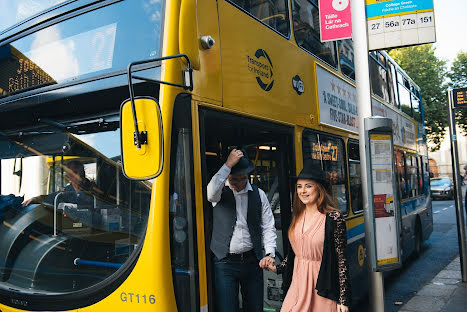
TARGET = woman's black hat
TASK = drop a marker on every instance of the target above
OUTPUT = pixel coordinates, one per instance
(244, 165)
(313, 171)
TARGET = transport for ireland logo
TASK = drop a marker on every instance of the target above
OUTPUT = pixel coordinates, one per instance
(261, 66)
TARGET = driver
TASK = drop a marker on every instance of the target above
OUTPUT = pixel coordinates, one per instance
(77, 192)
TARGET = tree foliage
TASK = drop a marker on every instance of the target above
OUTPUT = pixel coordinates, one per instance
(458, 76)
(429, 73)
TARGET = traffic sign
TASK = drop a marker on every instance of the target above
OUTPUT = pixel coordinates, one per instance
(398, 23)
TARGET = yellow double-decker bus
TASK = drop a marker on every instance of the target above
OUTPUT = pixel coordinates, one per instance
(205, 76)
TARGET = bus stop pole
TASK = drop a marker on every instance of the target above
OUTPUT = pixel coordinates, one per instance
(457, 189)
(362, 79)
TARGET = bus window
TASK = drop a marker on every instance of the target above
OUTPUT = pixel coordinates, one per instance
(379, 80)
(416, 108)
(328, 152)
(400, 175)
(393, 85)
(412, 179)
(306, 29)
(274, 13)
(346, 59)
(404, 98)
(420, 175)
(356, 195)
(381, 58)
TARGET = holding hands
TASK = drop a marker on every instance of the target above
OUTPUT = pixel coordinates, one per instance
(268, 263)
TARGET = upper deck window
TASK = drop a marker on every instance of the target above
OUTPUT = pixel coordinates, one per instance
(346, 58)
(379, 80)
(307, 33)
(94, 43)
(274, 13)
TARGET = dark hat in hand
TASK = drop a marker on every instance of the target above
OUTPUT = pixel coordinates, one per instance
(313, 171)
(244, 165)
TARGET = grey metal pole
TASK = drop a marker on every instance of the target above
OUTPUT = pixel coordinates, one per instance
(362, 79)
(458, 188)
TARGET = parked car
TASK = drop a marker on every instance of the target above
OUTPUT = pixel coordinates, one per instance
(442, 188)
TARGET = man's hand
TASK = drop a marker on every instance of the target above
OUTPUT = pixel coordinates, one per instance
(32, 200)
(233, 158)
(267, 263)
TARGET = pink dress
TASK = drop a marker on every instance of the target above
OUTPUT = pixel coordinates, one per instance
(308, 248)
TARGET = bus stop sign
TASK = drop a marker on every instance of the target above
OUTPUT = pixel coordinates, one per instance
(459, 98)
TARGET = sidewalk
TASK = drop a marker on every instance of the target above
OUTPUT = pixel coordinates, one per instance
(445, 293)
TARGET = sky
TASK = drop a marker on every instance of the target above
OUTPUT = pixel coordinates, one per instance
(451, 28)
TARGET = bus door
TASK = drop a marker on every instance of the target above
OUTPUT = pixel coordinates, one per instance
(270, 147)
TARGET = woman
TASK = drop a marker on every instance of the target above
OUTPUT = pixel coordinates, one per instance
(316, 272)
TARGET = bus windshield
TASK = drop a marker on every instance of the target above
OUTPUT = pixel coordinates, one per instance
(100, 41)
(69, 219)
(23, 9)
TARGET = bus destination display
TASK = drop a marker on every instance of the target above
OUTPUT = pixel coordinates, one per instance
(37, 60)
(19, 72)
(460, 97)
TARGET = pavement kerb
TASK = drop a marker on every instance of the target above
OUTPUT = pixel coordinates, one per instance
(444, 293)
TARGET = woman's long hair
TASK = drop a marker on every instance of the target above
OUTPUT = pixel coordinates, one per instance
(325, 204)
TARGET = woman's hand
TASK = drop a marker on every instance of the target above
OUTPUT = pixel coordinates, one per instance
(272, 268)
(342, 308)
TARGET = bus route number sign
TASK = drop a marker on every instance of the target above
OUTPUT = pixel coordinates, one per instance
(398, 23)
(459, 97)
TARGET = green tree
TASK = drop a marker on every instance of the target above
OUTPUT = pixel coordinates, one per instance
(429, 73)
(458, 76)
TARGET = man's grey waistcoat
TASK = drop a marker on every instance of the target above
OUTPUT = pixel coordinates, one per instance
(225, 218)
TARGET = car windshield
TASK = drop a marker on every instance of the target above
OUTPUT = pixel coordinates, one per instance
(69, 218)
(440, 182)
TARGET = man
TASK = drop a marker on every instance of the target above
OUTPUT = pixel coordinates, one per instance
(242, 217)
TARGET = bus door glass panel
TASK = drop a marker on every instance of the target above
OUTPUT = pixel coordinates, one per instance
(356, 194)
(77, 219)
(328, 152)
(305, 15)
(268, 148)
(274, 13)
(379, 80)
(182, 213)
(346, 58)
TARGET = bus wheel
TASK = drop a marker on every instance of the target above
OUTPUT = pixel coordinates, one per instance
(418, 240)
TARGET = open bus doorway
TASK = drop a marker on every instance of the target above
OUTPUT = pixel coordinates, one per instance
(270, 147)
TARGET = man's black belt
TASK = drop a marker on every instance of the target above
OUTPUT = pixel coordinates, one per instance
(241, 256)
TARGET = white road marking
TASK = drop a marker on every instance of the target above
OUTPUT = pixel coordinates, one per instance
(445, 208)
(437, 211)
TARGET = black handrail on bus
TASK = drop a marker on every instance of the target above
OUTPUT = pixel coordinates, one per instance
(188, 85)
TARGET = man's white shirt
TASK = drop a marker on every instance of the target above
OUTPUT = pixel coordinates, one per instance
(241, 239)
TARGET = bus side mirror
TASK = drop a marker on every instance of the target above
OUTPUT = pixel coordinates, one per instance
(145, 161)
